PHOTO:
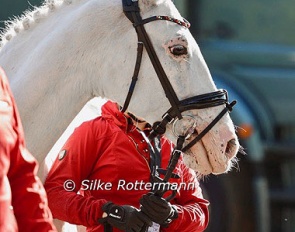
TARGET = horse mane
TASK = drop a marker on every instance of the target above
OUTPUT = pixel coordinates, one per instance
(30, 18)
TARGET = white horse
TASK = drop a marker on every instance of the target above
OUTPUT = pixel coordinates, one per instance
(64, 53)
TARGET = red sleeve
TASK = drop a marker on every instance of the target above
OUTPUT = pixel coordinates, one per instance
(23, 202)
(193, 214)
(192, 208)
(74, 164)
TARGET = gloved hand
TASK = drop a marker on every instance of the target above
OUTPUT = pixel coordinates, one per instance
(158, 209)
(125, 217)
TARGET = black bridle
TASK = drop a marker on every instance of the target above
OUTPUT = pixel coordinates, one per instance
(219, 97)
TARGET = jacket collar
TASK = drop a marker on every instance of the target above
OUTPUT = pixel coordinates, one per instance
(110, 111)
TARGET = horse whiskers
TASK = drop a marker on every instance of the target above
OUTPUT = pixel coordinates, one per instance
(242, 150)
(238, 127)
(234, 164)
(200, 176)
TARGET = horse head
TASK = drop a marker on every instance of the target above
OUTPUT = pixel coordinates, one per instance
(186, 95)
(65, 52)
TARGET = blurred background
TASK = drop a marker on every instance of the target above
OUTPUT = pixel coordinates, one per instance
(249, 47)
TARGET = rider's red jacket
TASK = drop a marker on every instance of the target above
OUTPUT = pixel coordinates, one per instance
(108, 159)
(23, 202)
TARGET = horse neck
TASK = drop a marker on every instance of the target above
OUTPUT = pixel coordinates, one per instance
(51, 77)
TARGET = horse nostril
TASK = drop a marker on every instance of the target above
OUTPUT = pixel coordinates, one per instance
(231, 148)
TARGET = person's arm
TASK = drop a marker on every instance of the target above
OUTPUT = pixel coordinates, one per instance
(22, 197)
(74, 164)
(188, 211)
(7, 218)
(192, 209)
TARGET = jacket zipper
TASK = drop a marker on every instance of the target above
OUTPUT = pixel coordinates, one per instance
(141, 155)
(135, 144)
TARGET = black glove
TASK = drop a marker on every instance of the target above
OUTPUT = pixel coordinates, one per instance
(125, 217)
(158, 209)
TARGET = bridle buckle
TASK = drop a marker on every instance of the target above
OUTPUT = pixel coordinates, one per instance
(168, 118)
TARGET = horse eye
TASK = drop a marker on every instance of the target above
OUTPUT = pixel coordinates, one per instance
(178, 50)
